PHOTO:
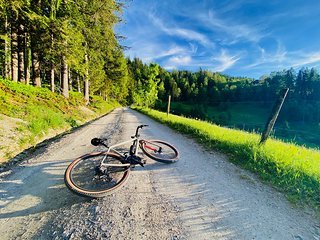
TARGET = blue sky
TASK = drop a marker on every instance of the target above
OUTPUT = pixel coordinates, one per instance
(236, 37)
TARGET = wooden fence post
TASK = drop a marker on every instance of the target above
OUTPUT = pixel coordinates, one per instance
(168, 109)
(274, 115)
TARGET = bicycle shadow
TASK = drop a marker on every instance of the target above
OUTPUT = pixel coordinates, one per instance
(36, 188)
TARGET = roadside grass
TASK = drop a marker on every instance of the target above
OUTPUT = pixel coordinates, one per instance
(293, 169)
(251, 117)
(44, 113)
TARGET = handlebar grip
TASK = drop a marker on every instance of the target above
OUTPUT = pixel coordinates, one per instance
(97, 141)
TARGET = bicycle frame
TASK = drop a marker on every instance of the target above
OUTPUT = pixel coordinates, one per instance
(135, 143)
(135, 140)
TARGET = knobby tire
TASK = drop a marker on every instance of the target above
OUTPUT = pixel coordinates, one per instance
(168, 153)
(81, 176)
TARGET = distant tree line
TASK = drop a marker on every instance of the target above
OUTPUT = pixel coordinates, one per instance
(64, 45)
(153, 84)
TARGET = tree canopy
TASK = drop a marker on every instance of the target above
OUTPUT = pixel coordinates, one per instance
(63, 44)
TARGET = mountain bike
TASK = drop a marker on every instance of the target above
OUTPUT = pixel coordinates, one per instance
(98, 174)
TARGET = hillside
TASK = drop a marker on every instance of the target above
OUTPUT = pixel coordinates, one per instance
(28, 115)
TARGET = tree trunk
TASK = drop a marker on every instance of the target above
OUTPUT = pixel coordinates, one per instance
(70, 79)
(52, 78)
(52, 68)
(65, 83)
(36, 69)
(7, 67)
(35, 59)
(27, 58)
(14, 51)
(78, 83)
(21, 50)
(86, 81)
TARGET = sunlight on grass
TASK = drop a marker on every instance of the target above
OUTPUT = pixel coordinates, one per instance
(291, 168)
(43, 111)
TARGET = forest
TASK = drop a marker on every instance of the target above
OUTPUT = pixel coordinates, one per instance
(72, 46)
(215, 89)
(64, 45)
(236, 102)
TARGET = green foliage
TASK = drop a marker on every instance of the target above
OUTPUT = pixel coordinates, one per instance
(292, 169)
(147, 82)
(75, 35)
(43, 111)
(205, 88)
(73, 123)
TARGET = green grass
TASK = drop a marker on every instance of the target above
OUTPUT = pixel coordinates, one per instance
(251, 117)
(43, 111)
(292, 169)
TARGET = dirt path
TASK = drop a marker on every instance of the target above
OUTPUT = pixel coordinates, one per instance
(202, 196)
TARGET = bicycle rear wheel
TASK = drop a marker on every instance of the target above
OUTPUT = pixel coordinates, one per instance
(159, 150)
(85, 177)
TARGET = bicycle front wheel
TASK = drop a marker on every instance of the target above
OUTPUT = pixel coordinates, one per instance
(86, 176)
(159, 150)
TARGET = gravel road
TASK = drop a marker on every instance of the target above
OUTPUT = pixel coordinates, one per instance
(202, 196)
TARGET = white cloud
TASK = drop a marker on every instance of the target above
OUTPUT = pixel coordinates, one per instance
(280, 56)
(180, 60)
(172, 51)
(168, 67)
(283, 59)
(193, 48)
(306, 59)
(150, 51)
(230, 27)
(181, 32)
(175, 62)
(225, 61)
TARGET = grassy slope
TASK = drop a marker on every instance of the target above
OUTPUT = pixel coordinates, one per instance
(292, 169)
(29, 115)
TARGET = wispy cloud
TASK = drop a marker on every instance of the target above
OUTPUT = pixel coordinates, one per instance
(247, 37)
(307, 59)
(172, 51)
(175, 62)
(279, 56)
(231, 27)
(184, 33)
(224, 61)
(151, 51)
(180, 60)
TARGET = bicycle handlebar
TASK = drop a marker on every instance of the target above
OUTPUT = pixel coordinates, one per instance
(101, 141)
(140, 126)
(98, 141)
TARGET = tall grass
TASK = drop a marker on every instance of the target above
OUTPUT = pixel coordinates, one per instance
(43, 111)
(292, 169)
